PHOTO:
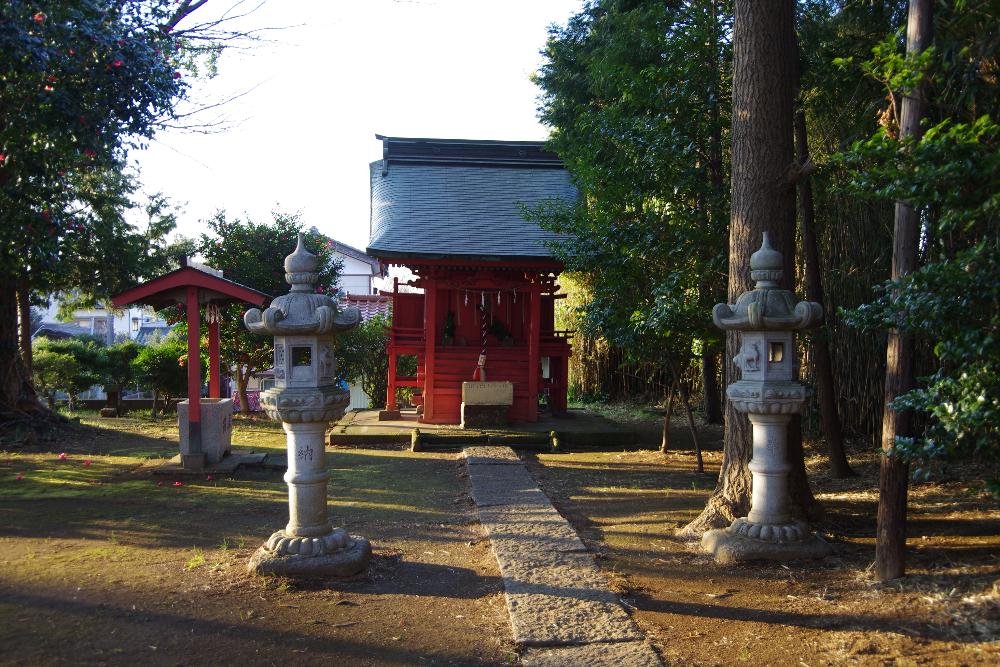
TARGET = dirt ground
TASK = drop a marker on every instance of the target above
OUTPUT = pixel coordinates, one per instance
(627, 505)
(103, 563)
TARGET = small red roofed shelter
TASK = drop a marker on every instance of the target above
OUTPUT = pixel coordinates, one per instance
(192, 287)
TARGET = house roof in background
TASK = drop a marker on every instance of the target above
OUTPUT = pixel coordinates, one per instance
(59, 330)
(147, 333)
(360, 255)
(456, 198)
(370, 305)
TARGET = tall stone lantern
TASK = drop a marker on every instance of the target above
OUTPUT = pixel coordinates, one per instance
(306, 398)
(767, 316)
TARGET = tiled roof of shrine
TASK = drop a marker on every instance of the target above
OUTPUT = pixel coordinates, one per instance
(370, 305)
(457, 198)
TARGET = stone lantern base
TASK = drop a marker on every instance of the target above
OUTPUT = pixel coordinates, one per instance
(334, 555)
(747, 541)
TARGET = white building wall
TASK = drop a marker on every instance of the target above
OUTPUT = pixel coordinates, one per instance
(359, 399)
(356, 276)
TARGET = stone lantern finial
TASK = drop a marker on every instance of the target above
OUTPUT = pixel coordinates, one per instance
(766, 265)
(300, 267)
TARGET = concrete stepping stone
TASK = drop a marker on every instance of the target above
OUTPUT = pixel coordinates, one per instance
(490, 455)
(504, 485)
(621, 654)
(556, 595)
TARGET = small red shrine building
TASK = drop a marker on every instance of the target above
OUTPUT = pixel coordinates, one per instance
(452, 212)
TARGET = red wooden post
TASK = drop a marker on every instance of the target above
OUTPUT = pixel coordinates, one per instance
(390, 398)
(214, 376)
(534, 347)
(194, 372)
(430, 338)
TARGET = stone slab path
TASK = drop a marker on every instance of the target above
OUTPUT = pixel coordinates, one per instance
(561, 610)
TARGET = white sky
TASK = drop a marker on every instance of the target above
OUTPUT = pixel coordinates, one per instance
(304, 136)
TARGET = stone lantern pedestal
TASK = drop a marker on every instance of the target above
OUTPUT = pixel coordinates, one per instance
(306, 398)
(768, 394)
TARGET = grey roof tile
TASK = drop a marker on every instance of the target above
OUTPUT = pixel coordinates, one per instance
(461, 210)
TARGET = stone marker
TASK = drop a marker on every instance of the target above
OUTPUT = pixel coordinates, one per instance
(486, 404)
(306, 398)
(767, 315)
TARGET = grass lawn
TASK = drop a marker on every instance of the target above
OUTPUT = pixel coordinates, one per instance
(103, 562)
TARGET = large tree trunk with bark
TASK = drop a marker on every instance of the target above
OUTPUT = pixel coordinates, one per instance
(763, 199)
(826, 393)
(10, 373)
(890, 540)
(24, 319)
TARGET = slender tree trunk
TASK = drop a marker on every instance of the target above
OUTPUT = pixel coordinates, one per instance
(665, 438)
(242, 378)
(710, 386)
(890, 541)
(154, 405)
(24, 317)
(832, 432)
(685, 399)
(764, 77)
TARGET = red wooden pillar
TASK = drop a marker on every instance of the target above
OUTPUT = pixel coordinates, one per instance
(194, 372)
(214, 376)
(534, 347)
(430, 338)
(390, 398)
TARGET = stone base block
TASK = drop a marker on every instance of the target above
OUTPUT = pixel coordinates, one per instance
(193, 461)
(730, 548)
(344, 563)
(216, 427)
(109, 412)
(389, 415)
(484, 416)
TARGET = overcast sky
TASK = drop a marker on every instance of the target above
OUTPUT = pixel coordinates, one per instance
(302, 138)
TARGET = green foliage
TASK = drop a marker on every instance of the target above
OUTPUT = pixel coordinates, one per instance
(362, 358)
(637, 96)
(89, 359)
(953, 300)
(952, 174)
(117, 370)
(83, 81)
(53, 371)
(251, 254)
(162, 367)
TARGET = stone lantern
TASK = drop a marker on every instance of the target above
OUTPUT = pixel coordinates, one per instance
(767, 316)
(306, 398)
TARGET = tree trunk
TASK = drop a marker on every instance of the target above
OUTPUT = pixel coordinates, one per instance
(890, 541)
(242, 378)
(665, 438)
(709, 356)
(154, 405)
(24, 317)
(10, 372)
(832, 432)
(764, 76)
(685, 399)
(710, 386)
